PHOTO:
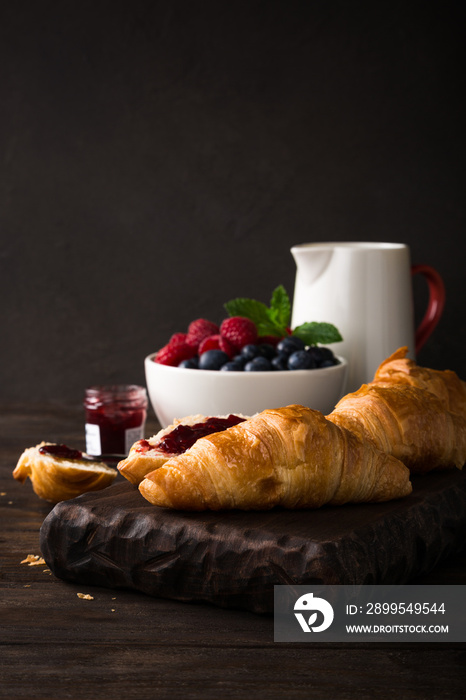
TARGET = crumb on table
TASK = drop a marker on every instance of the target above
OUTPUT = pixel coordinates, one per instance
(33, 560)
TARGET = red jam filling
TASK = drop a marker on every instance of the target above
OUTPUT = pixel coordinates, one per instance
(113, 427)
(120, 412)
(183, 437)
(62, 451)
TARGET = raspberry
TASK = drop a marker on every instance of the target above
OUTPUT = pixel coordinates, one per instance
(227, 347)
(199, 330)
(239, 331)
(174, 354)
(212, 342)
(269, 339)
(216, 342)
(177, 339)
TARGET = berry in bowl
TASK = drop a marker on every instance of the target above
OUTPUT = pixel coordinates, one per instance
(246, 364)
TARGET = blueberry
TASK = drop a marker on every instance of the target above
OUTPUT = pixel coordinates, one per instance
(258, 364)
(267, 350)
(323, 357)
(279, 363)
(327, 354)
(328, 363)
(192, 363)
(300, 359)
(232, 366)
(213, 359)
(316, 353)
(240, 360)
(250, 351)
(290, 344)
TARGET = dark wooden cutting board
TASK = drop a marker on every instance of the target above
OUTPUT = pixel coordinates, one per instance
(114, 538)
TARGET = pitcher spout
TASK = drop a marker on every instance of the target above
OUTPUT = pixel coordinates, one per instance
(311, 261)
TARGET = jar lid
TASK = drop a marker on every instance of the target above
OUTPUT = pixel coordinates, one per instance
(130, 395)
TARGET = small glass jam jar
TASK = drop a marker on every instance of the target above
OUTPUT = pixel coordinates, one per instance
(115, 418)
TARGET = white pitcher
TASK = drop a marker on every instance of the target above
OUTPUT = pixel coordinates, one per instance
(365, 290)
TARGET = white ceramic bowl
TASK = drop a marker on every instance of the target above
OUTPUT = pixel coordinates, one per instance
(176, 392)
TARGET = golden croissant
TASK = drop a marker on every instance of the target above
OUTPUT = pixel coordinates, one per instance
(445, 384)
(415, 414)
(291, 457)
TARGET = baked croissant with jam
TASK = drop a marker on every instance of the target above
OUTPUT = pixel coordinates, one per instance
(416, 414)
(147, 455)
(58, 472)
(291, 457)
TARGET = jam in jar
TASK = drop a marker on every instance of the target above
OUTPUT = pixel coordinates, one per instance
(115, 418)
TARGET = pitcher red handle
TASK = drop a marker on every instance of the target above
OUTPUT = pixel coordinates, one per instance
(435, 306)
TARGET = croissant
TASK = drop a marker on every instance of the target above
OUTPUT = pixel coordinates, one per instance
(56, 478)
(413, 413)
(445, 384)
(147, 455)
(291, 457)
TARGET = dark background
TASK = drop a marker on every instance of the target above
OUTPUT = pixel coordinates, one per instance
(160, 158)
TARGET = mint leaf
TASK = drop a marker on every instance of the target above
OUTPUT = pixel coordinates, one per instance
(264, 318)
(269, 328)
(250, 308)
(315, 332)
(281, 307)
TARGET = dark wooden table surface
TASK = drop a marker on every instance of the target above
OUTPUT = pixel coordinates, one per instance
(120, 644)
